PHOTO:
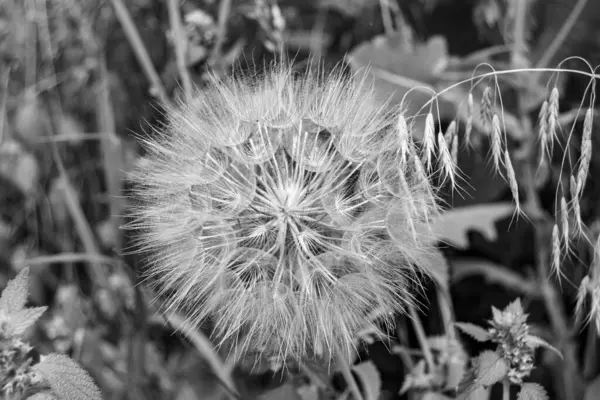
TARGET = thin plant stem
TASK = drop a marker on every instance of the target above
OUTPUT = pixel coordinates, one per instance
(561, 35)
(519, 42)
(4, 89)
(180, 45)
(205, 348)
(224, 11)
(505, 389)
(422, 338)
(140, 50)
(386, 17)
(347, 374)
(54, 106)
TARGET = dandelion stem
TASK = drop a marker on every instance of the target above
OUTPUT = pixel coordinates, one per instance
(416, 321)
(140, 50)
(347, 374)
(505, 389)
(180, 45)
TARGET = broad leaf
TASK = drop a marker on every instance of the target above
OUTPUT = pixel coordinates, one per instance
(67, 378)
(476, 332)
(14, 296)
(532, 391)
(434, 396)
(370, 379)
(491, 368)
(21, 320)
(535, 341)
(479, 393)
(453, 226)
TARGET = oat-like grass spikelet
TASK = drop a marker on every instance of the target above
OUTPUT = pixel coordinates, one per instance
(546, 142)
(553, 110)
(486, 107)
(285, 208)
(470, 112)
(586, 152)
(556, 252)
(496, 142)
(512, 181)
(429, 140)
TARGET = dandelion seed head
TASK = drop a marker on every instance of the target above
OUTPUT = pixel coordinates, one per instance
(285, 210)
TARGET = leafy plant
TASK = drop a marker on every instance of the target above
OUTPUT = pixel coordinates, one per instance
(19, 376)
(513, 358)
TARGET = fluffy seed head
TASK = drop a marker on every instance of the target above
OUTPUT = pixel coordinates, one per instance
(280, 209)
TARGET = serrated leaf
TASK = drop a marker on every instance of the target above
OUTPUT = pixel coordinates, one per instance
(43, 396)
(514, 308)
(14, 296)
(532, 391)
(434, 396)
(491, 368)
(496, 314)
(453, 226)
(370, 379)
(535, 341)
(23, 319)
(475, 331)
(479, 393)
(67, 378)
(286, 391)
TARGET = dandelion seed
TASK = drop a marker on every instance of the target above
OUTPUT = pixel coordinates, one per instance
(512, 179)
(496, 142)
(280, 230)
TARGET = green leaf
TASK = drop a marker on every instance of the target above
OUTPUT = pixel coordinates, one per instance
(479, 393)
(370, 379)
(453, 226)
(21, 320)
(14, 296)
(67, 378)
(43, 396)
(515, 308)
(592, 389)
(536, 342)
(532, 391)
(475, 331)
(434, 396)
(491, 368)
(286, 391)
